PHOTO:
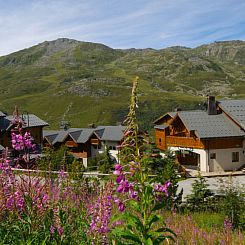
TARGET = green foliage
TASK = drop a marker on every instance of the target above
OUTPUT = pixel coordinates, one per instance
(57, 159)
(232, 202)
(209, 219)
(199, 199)
(140, 230)
(165, 169)
(106, 163)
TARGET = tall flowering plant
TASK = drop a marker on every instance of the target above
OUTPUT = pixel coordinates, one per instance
(139, 199)
(22, 142)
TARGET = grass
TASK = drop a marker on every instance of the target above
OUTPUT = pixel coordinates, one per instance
(202, 229)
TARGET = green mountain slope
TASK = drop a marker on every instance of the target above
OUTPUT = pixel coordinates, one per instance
(88, 83)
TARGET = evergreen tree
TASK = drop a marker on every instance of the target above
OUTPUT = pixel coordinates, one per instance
(198, 199)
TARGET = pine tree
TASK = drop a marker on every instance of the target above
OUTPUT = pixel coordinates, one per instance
(197, 200)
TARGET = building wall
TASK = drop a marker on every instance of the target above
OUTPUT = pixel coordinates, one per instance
(160, 139)
(223, 143)
(223, 160)
(112, 146)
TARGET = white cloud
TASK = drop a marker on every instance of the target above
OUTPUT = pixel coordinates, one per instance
(129, 23)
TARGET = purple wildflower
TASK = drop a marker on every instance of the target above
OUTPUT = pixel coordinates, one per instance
(123, 187)
(52, 229)
(60, 230)
(227, 224)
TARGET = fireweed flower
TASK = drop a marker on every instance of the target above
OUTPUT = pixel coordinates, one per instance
(228, 224)
(100, 212)
(52, 229)
(118, 169)
(22, 142)
(124, 186)
(60, 230)
(162, 188)
(62, 174)
(134, 167)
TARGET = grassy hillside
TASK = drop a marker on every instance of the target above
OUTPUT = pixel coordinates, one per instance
(90, 83)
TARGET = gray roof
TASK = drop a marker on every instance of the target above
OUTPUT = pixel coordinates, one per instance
(4, 123)
(2, 114)
(79, 135)
(55, 136)
(210, 126)
(111, 133)
(235, 109)
(30, 120)
(161, 126)
(85, 135)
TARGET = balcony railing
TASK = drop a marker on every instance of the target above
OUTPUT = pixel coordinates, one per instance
(95, 142)
(71, 143)
(183, 142)
(80, 154)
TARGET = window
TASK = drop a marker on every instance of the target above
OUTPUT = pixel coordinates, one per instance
(235, 156)
(212, 155)
(160, 141)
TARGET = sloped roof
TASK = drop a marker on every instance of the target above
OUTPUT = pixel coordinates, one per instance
(161, 126)
(54, 136)
(2, 114)
(171, 114)
(4, 123)
(111, 133)
(79, 135)
(85, 135)
(210, 126)
(235, 109)
(30, 120)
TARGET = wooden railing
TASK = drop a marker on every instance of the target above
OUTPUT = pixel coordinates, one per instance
(188, 142)
(80, 154)
(95, 142)
(71, 143)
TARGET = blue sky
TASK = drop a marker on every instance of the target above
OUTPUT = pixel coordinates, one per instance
(120, 23)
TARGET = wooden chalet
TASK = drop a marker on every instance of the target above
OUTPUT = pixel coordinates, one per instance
(86, 143)
(208, 140)
(29, 122)
(83, 143)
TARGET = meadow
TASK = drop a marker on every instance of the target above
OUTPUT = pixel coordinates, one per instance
(129, 207)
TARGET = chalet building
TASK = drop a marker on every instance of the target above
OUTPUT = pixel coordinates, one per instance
(209, 140)
(110, 137)
(30, 122)
(85, 143)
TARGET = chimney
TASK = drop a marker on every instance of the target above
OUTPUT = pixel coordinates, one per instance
(212, 110)
(177, 109)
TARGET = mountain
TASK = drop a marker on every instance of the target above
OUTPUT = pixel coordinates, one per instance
(85, 83)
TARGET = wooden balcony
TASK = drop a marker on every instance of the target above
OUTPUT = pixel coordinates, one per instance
(80, 155)
(71, 143)
(188, 142)
(95, 142)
